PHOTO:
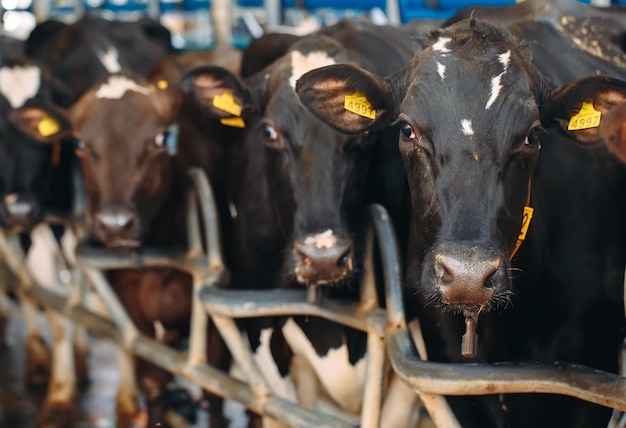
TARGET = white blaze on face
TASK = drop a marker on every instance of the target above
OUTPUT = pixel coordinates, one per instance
(109, 60)
(440, 45)
(466, 127)
(300, 64)
(18, 84)
(441, 70)
(343, 381)
(324, 240)
(496, 85)
(116, 86)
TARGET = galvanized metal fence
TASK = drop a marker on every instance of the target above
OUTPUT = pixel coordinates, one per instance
(390, 339)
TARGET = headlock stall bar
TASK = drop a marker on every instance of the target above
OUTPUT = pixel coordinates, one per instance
(387, 330)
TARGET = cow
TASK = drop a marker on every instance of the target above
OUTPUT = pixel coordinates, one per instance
(81, 53)
(484, 134)
(316, 182)
(36, 178)
(613, 131)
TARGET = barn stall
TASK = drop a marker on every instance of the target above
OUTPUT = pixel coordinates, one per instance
(390, 338)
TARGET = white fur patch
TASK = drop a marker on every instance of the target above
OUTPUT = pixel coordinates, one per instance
(343, 382)
(300, 64)
(441, 70)
(496, 85)
(440, 46)
(282, 386)
(466, 127)
(322, 240)
(117, 86)
(109, 60)
(505, 59)
(18, 84)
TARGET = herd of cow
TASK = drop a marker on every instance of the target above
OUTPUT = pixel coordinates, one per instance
(483, 137)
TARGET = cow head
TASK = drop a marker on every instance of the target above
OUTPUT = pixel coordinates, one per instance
(121, 127)
(315, 174)
(31, 130)
(472, 110)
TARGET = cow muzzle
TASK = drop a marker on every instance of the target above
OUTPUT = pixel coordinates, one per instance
(20, 213)
(323, 259)
(466, 277)
(117, 226)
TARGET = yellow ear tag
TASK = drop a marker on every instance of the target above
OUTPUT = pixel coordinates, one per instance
(528, 215)
(358, 104)
(162, 84)
(235, 122)
(227, 103)
(47, 126)
(587, 117)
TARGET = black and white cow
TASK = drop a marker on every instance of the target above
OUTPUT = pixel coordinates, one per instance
(81, 53)
(483, 134)
(316, 186)
(35, 179)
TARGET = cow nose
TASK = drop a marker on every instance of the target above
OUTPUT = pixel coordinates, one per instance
(467, 278)
(20, 211)
(323, 259)
(117, 226)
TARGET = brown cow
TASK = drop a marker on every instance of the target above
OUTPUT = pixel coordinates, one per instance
(135, 198)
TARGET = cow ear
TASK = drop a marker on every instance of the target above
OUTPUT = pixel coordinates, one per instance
(43, 124)
(613, 130)
(580, 108)
(217, 90)
(345, 96)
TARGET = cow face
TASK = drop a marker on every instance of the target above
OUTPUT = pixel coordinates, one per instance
(471, 109)
(121, 128)
(314, 173)
(31, 129)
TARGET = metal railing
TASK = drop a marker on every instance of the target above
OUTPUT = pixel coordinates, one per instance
(388, 335)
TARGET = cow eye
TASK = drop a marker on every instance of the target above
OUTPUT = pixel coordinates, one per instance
(78, 144)
(532, 138)
(269, 133)
(160, 140)
(407, 130)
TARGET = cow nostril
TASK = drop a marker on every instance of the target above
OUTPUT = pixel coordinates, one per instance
(128, 224)
(442, 272)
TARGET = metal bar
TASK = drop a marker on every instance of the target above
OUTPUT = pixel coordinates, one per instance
(199, 324)
(207, 377)
(210, 220)
(373, 391)
(280, 302)
(574, 380)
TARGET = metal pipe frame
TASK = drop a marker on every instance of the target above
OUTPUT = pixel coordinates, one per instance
(433, 378)
(387, 329)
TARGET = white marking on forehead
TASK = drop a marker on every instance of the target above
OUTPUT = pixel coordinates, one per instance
(496, 82)
(440, 46)
(109, 60)
(505, 59)
(343, 381)
(441, 70)
(496, 87)
(18, 84)
(466, 127)
(300, 64)
(116, 86)
(322, 240)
